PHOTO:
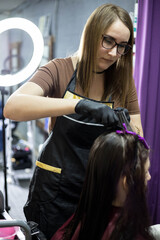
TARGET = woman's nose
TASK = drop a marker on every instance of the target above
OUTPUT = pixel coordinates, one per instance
(148, 176)
(113, 51)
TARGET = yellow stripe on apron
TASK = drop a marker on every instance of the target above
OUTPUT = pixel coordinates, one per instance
(70, 95)
(48, 167)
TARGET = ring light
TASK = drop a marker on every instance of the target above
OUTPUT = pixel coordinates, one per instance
(38, 46)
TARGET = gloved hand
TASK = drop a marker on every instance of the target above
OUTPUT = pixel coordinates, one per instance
(125, 112)
(99, 111)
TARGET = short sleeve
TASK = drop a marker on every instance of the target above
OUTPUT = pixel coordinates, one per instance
(54, 76)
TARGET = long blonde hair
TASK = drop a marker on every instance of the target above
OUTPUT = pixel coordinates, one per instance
(119, 75)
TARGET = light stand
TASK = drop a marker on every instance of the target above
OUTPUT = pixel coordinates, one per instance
(3, 93)
(22, 75)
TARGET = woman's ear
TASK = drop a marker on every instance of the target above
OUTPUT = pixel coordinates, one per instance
(124, 182)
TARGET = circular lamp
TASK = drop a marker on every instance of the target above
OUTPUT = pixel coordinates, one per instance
(38, 47)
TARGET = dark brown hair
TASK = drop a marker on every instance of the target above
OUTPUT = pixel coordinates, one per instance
(112, 156)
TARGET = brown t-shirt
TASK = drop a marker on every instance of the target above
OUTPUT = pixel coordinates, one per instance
(54, 77)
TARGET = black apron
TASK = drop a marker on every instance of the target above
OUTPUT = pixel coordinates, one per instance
(57, 181)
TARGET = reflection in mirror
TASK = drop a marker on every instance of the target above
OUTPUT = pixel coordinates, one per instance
(16, 51)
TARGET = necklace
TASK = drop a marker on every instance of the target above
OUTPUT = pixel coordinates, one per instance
(99, 72)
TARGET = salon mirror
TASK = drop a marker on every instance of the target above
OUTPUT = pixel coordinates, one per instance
(16, 51)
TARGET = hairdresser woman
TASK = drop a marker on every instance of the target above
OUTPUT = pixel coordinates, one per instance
(79, 94)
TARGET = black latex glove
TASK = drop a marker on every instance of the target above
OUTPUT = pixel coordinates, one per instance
(99, 111)
(125, 112)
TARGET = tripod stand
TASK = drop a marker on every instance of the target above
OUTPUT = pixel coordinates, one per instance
(3, 93)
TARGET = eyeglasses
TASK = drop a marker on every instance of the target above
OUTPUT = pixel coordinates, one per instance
(109, 43)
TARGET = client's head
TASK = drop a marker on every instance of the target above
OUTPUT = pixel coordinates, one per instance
(116, 176)
(118, 167)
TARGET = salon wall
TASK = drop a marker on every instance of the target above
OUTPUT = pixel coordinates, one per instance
(67, 19)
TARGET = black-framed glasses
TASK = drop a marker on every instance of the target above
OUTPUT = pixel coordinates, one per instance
(108, 43)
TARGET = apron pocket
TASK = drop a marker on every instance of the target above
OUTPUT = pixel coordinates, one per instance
(45, 183)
